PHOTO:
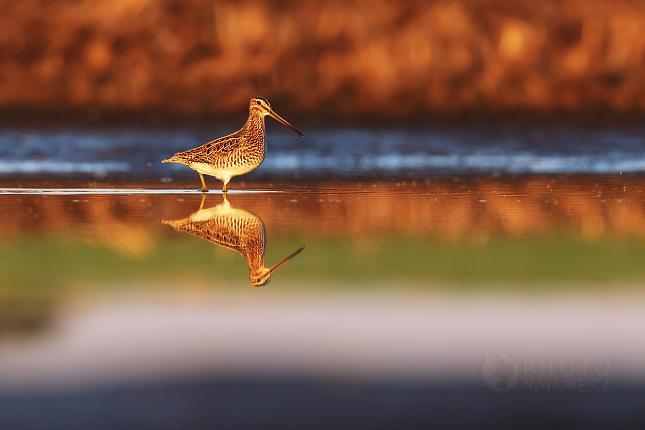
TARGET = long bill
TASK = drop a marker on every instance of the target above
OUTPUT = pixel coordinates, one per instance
(282, 121)
(280, 264)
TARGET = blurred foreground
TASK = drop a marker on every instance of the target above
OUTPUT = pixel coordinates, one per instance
(390, 360)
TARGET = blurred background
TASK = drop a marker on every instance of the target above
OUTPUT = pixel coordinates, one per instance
(356, 59)
(470, 195)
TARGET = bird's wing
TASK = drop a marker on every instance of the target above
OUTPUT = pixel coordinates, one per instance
(222, 145)
(211, 230)
(217, 149)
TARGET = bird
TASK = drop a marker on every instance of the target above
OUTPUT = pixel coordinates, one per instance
(235, 154)
(234, 229)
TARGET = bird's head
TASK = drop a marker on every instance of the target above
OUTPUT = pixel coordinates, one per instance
(261, 106)
(262, 276)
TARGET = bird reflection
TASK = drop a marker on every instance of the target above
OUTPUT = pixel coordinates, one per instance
(234, 229)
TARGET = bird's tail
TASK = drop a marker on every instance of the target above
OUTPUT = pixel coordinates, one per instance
(175, 159)
(173, 224)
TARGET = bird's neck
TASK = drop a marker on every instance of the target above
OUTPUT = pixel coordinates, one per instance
(254, 258)
(255, 124)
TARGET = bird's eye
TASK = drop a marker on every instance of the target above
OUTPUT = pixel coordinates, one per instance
(259, 102)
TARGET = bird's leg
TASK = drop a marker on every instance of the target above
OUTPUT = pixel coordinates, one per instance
(204, 187)
(203, 200)
(224, 190)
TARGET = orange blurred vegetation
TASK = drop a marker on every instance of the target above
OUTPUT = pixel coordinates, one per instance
(360, 56)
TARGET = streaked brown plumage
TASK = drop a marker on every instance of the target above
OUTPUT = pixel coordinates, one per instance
(235, 154)
(234, 229)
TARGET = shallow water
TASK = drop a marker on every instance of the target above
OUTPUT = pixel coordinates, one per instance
(427, 235)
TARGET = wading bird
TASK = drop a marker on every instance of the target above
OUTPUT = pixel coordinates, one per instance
(234, 229)
(235, 154)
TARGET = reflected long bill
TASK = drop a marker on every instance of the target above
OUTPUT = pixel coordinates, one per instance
(280, 264)
(282, 121)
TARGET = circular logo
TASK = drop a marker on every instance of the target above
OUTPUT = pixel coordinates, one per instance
(499, 373)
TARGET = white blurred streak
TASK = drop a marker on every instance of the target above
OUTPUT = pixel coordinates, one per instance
(363, 337)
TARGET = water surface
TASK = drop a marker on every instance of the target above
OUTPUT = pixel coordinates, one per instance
(335, 152)
(424, 235)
